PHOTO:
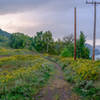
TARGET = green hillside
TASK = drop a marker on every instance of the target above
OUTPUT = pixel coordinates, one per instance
(4, 39)
(4, 33)
(40, 68)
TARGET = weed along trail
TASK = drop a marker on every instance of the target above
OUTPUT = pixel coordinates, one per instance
(57, 88)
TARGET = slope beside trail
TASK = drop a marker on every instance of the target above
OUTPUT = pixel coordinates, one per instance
(57, 88)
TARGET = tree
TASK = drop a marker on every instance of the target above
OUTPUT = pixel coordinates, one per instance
(68, 39)
(68, 45)
(38, 41)
(68, 51)
(82, 50)
(58, 46)
(19, 41)
(48, 41)
(43, 41)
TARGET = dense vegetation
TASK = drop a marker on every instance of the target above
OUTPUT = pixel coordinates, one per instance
(83, 74)
(82, 50)
(25, 68)
(22, 76)
(43, 42)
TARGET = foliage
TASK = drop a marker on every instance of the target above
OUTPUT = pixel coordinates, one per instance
(82, 50)
(20, 41)
(66, 46)
(68, 51)
(80, 69)
(4, 34)
(58, 46)
(43, 41)
(68, 40)
(87, 90)
(82, 74)
(3, 38)
(10, 52)
(23, 82)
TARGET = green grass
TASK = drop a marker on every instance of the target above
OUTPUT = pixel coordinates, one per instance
(4, 45)
(23, 74)
(83, 74)
(10, 52)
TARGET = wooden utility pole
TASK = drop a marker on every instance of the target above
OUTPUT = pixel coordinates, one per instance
(94, 33)
(74, 33)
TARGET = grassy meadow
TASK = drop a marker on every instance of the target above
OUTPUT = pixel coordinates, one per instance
(27, 64)
(22, 74)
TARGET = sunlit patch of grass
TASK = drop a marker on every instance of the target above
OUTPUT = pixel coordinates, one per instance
(10, 52)
(14, 62)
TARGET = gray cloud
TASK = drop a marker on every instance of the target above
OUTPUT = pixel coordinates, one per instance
(54, 15)
(13, 6)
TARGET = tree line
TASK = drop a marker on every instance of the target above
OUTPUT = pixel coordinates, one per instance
(44, 42)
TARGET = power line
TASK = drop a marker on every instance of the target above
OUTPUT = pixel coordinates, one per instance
(94, 33)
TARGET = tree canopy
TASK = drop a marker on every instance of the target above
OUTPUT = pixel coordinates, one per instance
(44, 42)
(19, 41)
(82, 50)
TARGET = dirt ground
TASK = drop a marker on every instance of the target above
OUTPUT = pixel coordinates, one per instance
(57, 89)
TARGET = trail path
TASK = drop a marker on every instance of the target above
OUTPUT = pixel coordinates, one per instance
(57, 89)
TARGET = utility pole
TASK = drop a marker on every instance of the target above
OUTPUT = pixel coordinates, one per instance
(74, 33)
(94, 33)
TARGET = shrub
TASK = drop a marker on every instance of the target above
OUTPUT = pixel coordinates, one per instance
(82, 74)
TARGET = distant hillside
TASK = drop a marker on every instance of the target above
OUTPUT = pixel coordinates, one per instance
(97, 50)
(4, 33)
(4, 39)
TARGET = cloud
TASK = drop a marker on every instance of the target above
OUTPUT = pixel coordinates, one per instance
(30, 16)
(15, 6)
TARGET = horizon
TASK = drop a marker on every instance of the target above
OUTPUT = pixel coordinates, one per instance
(87, 41)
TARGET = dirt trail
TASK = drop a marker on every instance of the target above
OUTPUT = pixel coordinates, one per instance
(57, 89)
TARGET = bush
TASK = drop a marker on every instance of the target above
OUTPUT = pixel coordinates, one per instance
(82, 74)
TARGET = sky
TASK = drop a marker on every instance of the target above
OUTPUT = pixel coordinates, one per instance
(31, 16)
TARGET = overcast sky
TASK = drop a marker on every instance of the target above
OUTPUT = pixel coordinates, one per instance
(31, 16)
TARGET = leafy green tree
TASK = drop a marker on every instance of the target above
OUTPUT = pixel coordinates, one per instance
(48, 41)
(58, 46)
(19, 41)
(68, 51)
(68, 45)
(38, 42)
(82, 50)
(43, 41)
